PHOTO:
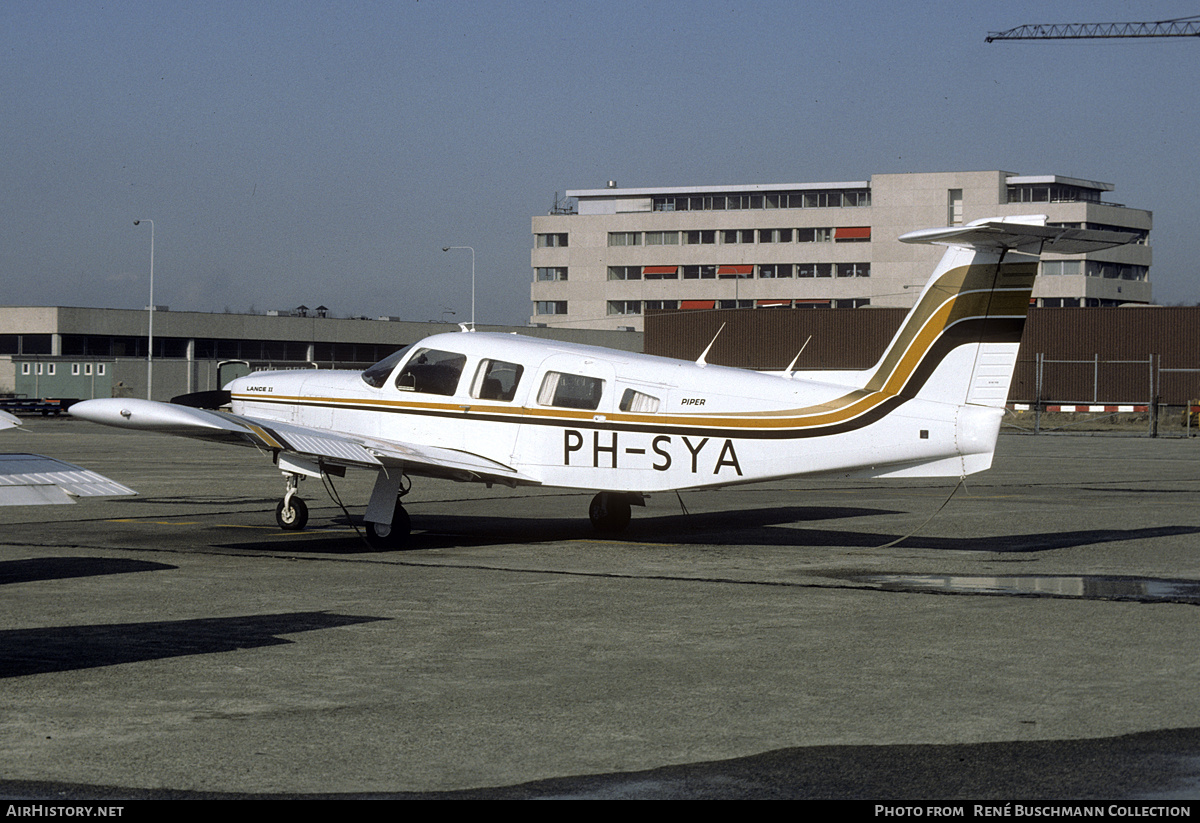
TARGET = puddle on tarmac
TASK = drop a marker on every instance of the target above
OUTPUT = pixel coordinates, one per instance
(1087, 587)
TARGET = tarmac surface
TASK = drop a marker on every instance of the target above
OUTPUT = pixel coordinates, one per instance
(1036, 639)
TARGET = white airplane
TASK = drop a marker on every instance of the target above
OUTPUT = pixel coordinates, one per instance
(37, 480)
(497, 408)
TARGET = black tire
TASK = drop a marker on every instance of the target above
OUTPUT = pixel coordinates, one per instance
(293, 519)
(609, 512)
(393, 537)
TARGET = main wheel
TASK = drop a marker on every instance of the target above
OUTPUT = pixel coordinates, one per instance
(293, 518)
(609, 512)
(394, 536)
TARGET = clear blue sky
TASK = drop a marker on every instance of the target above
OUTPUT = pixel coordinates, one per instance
(317, 153)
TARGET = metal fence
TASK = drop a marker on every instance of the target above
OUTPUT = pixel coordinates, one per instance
(1097, 390)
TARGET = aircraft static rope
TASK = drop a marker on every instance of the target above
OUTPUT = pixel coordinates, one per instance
(962, 481)
(332, 492)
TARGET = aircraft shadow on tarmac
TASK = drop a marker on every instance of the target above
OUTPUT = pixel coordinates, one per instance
(60, 568)
(440, 531)
(745, 527)
(68, 648)
(1153, 766)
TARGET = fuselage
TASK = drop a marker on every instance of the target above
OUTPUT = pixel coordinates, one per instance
(586, 417)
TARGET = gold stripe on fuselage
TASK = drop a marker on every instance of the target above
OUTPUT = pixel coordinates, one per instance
(964, 293)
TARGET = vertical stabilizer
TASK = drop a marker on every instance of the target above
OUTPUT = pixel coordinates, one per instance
(959, 343)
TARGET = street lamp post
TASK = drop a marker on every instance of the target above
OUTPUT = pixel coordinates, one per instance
(150, 334)
(447, 248)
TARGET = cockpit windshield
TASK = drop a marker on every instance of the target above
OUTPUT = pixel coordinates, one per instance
(377, 375)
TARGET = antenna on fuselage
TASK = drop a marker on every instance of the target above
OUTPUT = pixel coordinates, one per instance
(700, 360)
(792, 366)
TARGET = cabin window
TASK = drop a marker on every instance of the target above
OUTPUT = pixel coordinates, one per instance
(635, 401)
(378, 374)
(496, 380)
(430, 371)
(570, 391)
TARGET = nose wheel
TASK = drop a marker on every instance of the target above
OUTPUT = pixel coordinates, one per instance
(292, 513)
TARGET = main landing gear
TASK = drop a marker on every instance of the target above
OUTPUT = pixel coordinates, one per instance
(609, 511)
(388, 524)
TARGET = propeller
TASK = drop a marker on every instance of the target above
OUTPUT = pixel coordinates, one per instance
(203, 399)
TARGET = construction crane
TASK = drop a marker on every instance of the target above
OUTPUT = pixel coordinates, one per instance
(1179, 27)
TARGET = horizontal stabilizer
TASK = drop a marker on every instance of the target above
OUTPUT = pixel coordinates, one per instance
(1018, 234)
(35, 480)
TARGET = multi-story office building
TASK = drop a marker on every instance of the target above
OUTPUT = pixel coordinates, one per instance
(622, 252)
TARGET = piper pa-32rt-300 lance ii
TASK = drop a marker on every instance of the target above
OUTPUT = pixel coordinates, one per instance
(501, 408)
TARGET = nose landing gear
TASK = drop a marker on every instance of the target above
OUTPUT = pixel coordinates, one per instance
(292, 512)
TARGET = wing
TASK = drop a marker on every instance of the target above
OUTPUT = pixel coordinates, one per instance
(34, 480)
(314, 447)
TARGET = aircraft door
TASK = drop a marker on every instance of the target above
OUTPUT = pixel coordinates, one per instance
(570, 397)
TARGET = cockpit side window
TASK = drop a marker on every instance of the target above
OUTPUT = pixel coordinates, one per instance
(496, 380)
(377, 375)
(570, 391)
(432, 372)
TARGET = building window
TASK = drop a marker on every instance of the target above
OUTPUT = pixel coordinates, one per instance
(660, 305)
(853, 269)
(1060, 267)
(87, 369)
(852, 234)
(775, 271)
(624, 306)
(954, 207)
(552, 273)
(661, 272)
(814, 270)
(735, 304)
(624, 272)
(24, 368)
(1045, 193)
(662, 238)
(552, 241)
(550, 307)
(740, 272)
(49, 368)
(699, 272)
(624, 238)
(809, 199)
(701, 237)
(774, 235)
(814, 235)
(851, 302)
(737, 236)
(100, 369)
(74, 369)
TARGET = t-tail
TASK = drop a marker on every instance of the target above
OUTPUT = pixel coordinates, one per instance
(959, 343)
